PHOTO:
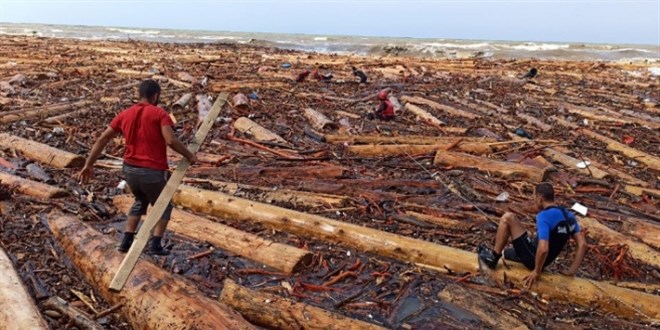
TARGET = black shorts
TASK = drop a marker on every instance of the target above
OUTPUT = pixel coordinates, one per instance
(524, 251)
(146, 185)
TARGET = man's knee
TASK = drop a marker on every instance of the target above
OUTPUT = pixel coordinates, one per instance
(508, 218)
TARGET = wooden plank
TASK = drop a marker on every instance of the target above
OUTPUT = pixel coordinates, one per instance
(144, 233)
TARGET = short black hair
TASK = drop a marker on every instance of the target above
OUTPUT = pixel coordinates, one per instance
(546, 191)
(149, 88)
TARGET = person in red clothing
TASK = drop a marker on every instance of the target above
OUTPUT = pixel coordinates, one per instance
(385, 110)
(147, 131)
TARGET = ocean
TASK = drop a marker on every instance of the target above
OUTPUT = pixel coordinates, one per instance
(377, 46)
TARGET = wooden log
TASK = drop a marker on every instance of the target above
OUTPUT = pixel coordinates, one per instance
(17, 310)
(506, 169)
(324, 171)
(78, 317)
(382, 150)
(282, 257)
(647, 232)
(606, 236)
(318, 120)
(585, 292)
(41, 112)
(272, 311)
(640, 191)
(154, 298)
(182, 102)
(571, 163)
(256, 131)
(60, 119)
(441, 221)
(32, 188)
(477, 304)
(423, 115)
(437, 106)
(612, 171)
(402, 139)
(42, 153)
(534, 121)
(651, 161)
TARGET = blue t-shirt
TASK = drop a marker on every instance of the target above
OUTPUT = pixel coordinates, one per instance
(549, 218)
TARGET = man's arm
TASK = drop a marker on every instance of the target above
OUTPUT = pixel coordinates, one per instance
(94, 154)
(381, 107)
(579, 255)
(541, 255)
(176, 145)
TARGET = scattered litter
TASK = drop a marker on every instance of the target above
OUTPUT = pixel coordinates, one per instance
(579, 208)
(521, 132)
(628, 139)
(583, 164)
(503, 197)
(286, 65)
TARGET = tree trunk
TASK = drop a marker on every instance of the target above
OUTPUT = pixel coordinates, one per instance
(323, 171)
(647, 232)
(42, 153)
(506, 169)
(42, 112)
(619, 174)
(640, 191)
(182, 102)
(442, 221)
(318, 120)
(571, 163)
(258, 133)
(282, 257)
(382, 150)
(424, 115)
(32, 188)
(403, 139)
(425, 254)
(437, 106)
(534, 121)
(78, 317)
(60, 119)
(488, 312)
(272, 311)
(153, 298)
(17, 310)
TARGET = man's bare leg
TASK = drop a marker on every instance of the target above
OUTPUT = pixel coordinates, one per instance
(159, 230)
(509, 227)
(132, 223)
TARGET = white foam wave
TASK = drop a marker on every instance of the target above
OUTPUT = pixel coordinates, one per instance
(56, 30)
(530, 46)
(320, 38)
(655, 70)
(441, 45)
(133, 31)
(632, 50)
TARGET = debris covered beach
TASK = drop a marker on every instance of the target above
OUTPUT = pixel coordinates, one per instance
(303, 213)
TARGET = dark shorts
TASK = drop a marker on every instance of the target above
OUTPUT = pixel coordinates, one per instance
(524, 251)
(146, 185)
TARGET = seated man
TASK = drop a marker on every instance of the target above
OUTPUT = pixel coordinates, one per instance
(554, 224)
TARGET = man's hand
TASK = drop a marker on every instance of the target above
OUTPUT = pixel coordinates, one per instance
(85, 174)
(192, 159)
(530, 279)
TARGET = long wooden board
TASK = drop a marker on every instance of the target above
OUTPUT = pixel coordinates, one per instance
(173, 183)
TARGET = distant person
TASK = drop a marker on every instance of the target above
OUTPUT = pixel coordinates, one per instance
(360, 74)
(302, 76)
(326, 77)
(531, 74)
(385, 110)
(554, 226)
(147, 131)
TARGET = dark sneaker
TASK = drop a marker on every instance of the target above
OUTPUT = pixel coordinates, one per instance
(488, 257)
(126, 242)
(157, 251)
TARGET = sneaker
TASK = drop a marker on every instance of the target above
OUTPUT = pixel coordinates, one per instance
(157, 251)
(126, 242)
(488, 257)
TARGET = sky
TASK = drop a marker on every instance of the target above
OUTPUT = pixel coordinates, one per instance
(604, 21)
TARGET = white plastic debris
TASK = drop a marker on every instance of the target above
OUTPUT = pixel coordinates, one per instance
(580, 209)
(348, 253)
(58, 130)
(502, 197)
(121, 185)
(583, 164)
(586, 122)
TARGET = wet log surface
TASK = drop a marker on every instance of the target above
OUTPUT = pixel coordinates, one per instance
(401, 193)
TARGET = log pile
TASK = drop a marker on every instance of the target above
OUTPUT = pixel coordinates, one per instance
(303, 213)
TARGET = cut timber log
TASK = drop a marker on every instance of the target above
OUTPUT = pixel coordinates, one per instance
(282, 257)
(17, 310)
(31, 188)
(403, 139)
(474, 302)
(60, 119)
(153, 298)
(647, 232)
(652, 162)
(442, 221)
(441, 258)
(612, 171)
(272, 311)
(260, 134)
(41, 112)
(606, 236)
(318, 120)
(506, 169)
(380, 150)
(640, 191)
(437, 106)
(571, 163)
(78, 317)
(423, 115)
(322, 171)
(533, 121)
(42, 153)
(181, 103)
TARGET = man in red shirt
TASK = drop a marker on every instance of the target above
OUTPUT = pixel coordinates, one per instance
(147, 131)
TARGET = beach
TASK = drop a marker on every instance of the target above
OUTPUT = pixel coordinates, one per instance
(389, 213)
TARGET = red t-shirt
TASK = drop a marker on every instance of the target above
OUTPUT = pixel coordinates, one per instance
(141, 127)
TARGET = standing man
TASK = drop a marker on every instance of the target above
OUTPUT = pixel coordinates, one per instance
(554, 225)
(147, 131)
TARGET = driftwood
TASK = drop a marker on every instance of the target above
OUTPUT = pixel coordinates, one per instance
(41, 112)
(323, 171)
(32, 188)
(40, 152)
(506, 169)
(259, 133)
(318, 120)
(276, 312)
(17, 310)
(423, 115)
(403, 139)
(647, 232)
(437, 106)
(412, 149)
(182, 102)
(585, 292)
(282, 257)
(154, 298)
(78, 317)
(571, 163)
